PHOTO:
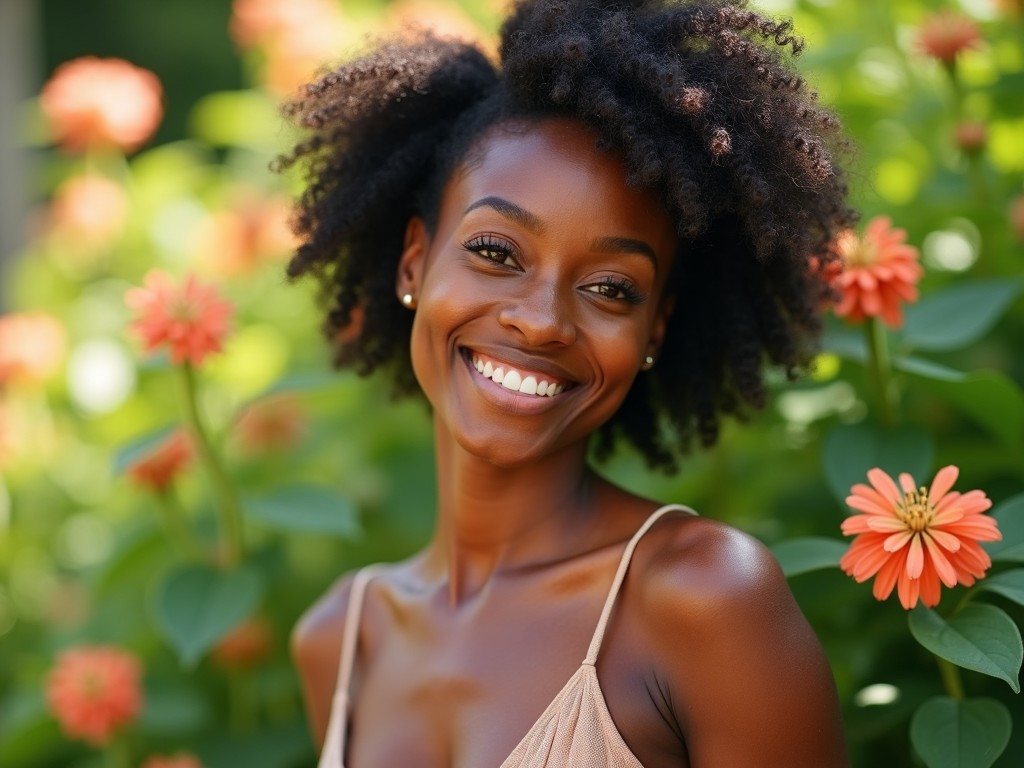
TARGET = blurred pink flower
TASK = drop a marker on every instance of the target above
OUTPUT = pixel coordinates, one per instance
(159, 468)
(88, 211)
(94, 691)
(180, 760)
(32, 347)
(95, 103)
(189, 318)
(880, 273)
(249, 233)
(914, 538)
(947, 34)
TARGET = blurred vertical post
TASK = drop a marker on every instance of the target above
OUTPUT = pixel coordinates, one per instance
(18, 64)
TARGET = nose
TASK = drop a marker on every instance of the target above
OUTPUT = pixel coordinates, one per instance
(541, 315)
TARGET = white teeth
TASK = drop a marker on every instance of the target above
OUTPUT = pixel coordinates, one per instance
(515, 382)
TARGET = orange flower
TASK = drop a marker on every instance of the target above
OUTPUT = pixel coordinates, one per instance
(251, 232)
(158, 468)
(880, 272)
(94, 691)
(970, 136)
(88, 211)
(100, 103)
(32, 346)
(190, 318)
(180, 760)
(945, 35)
(915, 538)
(273, 424)
(246, 645)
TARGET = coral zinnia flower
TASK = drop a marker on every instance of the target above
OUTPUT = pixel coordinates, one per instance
(181, 760)
(88, 211)
(946, 34)
(157, 469)
(91, 102)
(190, 319)
(915, 538)
(94, 691)
(880, 272)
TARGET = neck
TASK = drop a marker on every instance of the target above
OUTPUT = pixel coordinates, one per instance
(492, 519)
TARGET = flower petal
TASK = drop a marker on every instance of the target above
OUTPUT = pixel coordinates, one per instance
(943, 481)
(885, 485)
(915, 558)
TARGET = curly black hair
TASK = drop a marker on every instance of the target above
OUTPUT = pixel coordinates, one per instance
(701, 102)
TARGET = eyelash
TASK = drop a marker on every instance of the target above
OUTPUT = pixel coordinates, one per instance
(502, 250)
(485, 244)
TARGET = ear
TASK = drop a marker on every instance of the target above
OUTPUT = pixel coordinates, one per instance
(410, 265)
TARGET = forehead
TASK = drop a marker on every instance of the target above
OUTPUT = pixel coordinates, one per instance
(553, 169)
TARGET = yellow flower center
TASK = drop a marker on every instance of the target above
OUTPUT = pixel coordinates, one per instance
(915, 510)
(858, 252)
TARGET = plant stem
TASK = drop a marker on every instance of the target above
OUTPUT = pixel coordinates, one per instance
(951, 679)
(229, 511)
(117, 754)
(177, 530)
(881, 370)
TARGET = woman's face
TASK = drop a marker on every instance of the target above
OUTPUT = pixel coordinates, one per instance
(539, 293)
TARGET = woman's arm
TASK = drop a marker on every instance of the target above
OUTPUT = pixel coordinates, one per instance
(316, 649)
(749, 680)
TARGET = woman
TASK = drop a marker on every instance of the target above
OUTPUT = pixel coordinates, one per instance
(606, 238)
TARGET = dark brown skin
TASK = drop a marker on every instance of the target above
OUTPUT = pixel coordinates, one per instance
(707, 661)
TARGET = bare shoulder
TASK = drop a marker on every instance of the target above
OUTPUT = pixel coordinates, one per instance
(316, 646)
(749, 681)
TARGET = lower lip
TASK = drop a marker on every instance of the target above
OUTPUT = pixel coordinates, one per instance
(506, 399)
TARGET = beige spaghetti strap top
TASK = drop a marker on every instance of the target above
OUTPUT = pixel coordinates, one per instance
(575, 731)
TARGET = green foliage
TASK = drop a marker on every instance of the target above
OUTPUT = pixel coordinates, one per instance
(960, 734)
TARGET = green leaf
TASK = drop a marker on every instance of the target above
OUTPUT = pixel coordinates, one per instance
(236, 118)
(958, 316)
(306, 508)
(1009, 584)
(196, 605)
(846, 342)
(979, 637)
(1010, 517)
(809, 553)
(850, 451)
(991, 398)
(947, 733)
(133, 452)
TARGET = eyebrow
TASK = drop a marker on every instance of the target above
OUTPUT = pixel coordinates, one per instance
(510, 211)
(625, 245)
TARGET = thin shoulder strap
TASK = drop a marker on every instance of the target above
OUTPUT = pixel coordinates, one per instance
(333, 754)
(620, 574)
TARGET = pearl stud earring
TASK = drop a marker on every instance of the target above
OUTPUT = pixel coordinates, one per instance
(648, 363)
(407, 299)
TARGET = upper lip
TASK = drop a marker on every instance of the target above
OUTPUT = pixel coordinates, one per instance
(523, 363)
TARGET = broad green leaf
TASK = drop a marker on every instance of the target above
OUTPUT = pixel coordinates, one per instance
(1009, 584)
(197, 604)
(130, 454)
(991, 398)
(979, 637)
(850, 451)
(848, 343)
(960, 315)
(300, 382)
(1010, 516)
(307, 508)
(947, 733)
(809, 553)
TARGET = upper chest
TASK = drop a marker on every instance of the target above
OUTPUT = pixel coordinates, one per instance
(462, 687)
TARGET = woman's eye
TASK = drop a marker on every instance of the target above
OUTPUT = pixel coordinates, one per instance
(617, 289)
(493, 249)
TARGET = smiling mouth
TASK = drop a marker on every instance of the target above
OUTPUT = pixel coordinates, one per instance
(523, 382)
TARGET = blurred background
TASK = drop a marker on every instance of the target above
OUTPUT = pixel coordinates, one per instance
(101, 516)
